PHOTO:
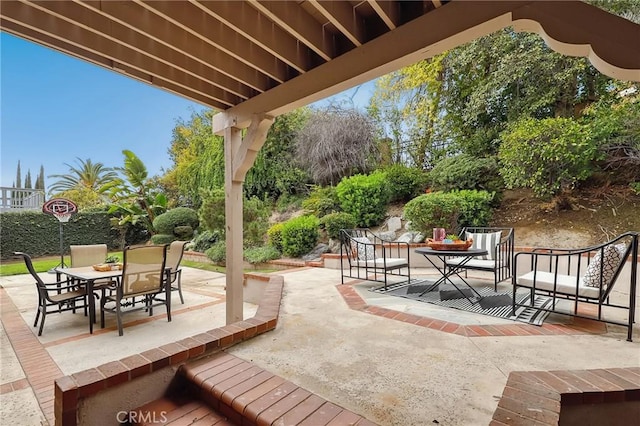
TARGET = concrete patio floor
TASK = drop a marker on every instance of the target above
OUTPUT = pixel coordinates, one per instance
(361, 350)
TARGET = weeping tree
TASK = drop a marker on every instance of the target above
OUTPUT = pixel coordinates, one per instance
(336, 143)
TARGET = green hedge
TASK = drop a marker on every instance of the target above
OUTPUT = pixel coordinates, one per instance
(450, 210)
(38, 234)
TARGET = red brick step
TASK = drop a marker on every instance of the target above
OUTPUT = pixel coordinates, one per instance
(231, 391)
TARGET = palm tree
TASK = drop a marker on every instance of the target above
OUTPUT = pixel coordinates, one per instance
(88, 175)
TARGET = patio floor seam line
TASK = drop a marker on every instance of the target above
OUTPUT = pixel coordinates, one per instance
(25, 343)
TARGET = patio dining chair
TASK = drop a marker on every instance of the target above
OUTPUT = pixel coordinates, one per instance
(54, 297)
(88, 255)
(143, 275)
(174, 257)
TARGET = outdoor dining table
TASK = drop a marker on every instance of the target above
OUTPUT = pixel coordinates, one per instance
(453, 269)
(88, 276)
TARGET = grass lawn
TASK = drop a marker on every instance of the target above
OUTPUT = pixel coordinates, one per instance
(43, 264)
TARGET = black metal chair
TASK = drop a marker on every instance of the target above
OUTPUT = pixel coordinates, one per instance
(499, 242)
(55, 297)
(143, 275)
(585, 275)
(372, 258)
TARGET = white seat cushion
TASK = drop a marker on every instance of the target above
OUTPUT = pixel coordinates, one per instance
(473, 263)
(566, 284)
(380, 263)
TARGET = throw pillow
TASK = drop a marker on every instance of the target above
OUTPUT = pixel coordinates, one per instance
(486, 241)
(365, 249)
(612, 257)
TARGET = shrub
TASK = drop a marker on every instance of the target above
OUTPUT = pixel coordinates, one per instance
(547, 155)
(39, 234)
(217, 252)
(334, 222)
(299, 235)
(635, 187)
(365, 197)
(262, 254)
(449, 210)
(466, 172)
(204, 240)
(255, 216)
(255, 221)
(274, 236)
(182, 217)
(404, 182)
(321, 201)
(162, 239)
(212, 210)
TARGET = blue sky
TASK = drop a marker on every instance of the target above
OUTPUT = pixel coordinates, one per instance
(55, 108)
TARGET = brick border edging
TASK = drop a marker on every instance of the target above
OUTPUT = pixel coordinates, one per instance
(538, 396)
(579, 325)
(70, 390)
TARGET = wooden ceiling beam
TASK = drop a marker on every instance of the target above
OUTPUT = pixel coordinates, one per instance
(343, 16)
(250, 23)
(172, 67)
(103, 26)
(388, 11)
(156, 26)
(293, 19)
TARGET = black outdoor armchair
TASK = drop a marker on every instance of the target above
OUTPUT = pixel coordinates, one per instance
(55, 297)
(369, 257)
(585, 275)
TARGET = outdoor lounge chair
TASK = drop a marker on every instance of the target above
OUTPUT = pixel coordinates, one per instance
(54, 297)
(585, 275)
(174, 257)
(143, 275)
(499, 244)
(372, 258)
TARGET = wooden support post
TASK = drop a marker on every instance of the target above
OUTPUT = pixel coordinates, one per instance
(239, 155)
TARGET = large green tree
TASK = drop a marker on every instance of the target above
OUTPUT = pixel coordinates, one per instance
(135, 198)
(275, 171)
(198, 158)
(86, 175)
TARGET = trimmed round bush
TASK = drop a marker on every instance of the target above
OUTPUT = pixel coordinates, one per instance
(449, 210)
(322, 201)
(365, 197)
(465, 171)
(274, 236)
(160, 239)
(405, 182)
(167, 222)
(334, 222)
(300, 235)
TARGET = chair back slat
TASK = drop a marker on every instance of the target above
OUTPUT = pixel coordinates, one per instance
(143, 270)
(87, 255)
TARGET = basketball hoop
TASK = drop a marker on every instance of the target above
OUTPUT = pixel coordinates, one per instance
(62, 209)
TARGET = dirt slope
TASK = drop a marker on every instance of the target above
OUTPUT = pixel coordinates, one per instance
(586, 217)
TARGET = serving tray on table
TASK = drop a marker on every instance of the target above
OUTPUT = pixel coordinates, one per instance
(458, 245)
